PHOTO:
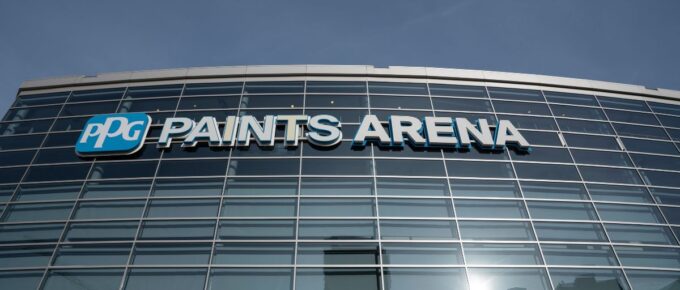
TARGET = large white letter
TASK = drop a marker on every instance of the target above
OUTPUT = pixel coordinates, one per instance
(409, 126)
(292, 123)
(205, 129)
(229, 135)
(370, 130)
(174, 127)
(507, 133)
(482, 135)
(264, 135)
(327, 124)
(439, 131)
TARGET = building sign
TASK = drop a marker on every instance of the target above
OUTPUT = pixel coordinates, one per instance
(122, 134)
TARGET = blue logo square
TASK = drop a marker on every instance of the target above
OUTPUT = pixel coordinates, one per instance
(113, 134)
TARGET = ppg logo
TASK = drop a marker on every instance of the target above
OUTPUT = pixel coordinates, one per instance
(112, 134)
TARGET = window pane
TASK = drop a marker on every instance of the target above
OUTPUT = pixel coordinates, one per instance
(264, 167)
(21, 279)
(251, 279)
(256, 229)
(516, 94)
(546, 171)
(502, 254)
(534, 189)
(412, 207)
(57, 172)
(496, 230)
(658, 162)
(619, 193)
(457, 91)
(582, 255)
(336, 87)
(400, 102)
(648, 257)
(460, 168)
(612, 175)
(337, 229)
(653, 280)
(110, 209)
(48, 191)
(640, 131)
(666, 195)
(254, 254)
(344, 278)
(578, 112)
(271, 101)
(177, 230)
(649, 146)
(8, 129)
(273, 87)
(30, 233)
(409, 167)
(525, 122)
(672, 214)
(165, 208)
(188, 187)
(542, 138)
(412, 187)
(660, 178)
(336, 167)
(418, 230)
(484, 188)
(397, 88)
(101, 231)
(165, 279)
(568, 98)
(96, 95)
(41, 99)
(521, 108)
(25, 256)
(337, 207)
(425, 278)
(591, 141)
(585, 126)
(100, 254)
(338, 254)
(88, 108)
(490, 278)
(336, 186)
(258, 207)
(565, 279)
(581, 232)
(601, 158)
(422, 254)
(619, 103)
(466, 105)
(171, 254)
(153, 91)
(631, 117)
(116, 188)
(121, 170)
(192, 167)
(629, 213)
(38, 211)
(261, 186)
(561, 210)
(635, 234)
(490, 209)
(155, 105)
(543, 154)
(213, 89)
(104, 279)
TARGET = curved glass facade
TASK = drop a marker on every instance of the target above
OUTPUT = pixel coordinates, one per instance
(595, 204)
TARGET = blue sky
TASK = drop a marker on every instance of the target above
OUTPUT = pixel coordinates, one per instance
(630, 41)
